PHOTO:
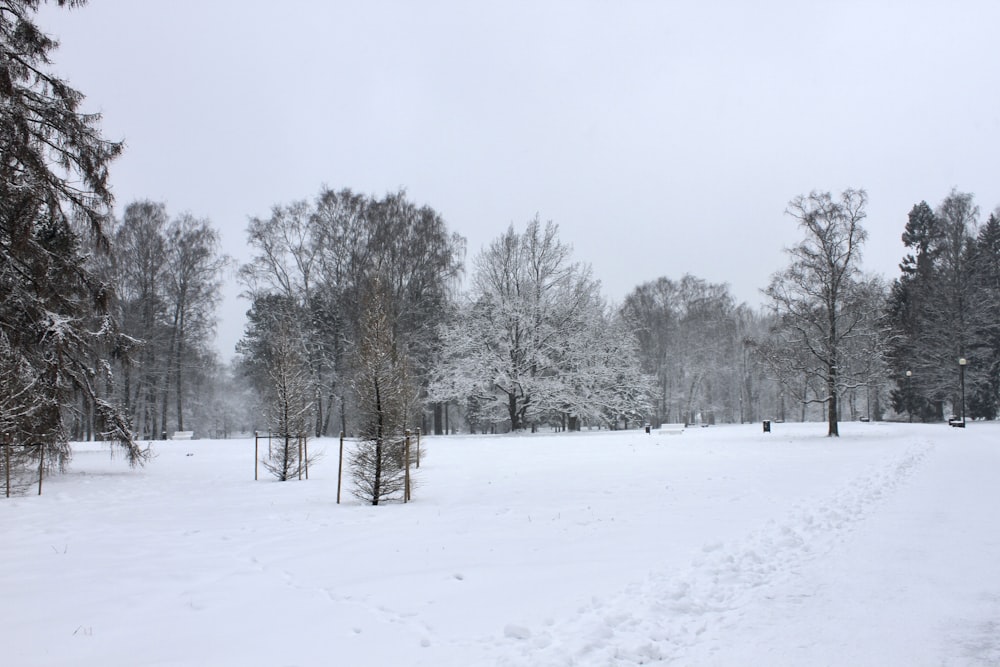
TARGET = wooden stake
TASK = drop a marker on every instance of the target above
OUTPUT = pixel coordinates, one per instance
(406, 454)
(41, 466)
(6, 455)
(300, 456)
(305, 445)
(418, 448)
(340, 465)
(256, 454)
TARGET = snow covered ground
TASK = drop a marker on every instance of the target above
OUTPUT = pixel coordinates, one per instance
(720, 546)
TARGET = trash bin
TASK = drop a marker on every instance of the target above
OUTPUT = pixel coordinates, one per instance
(767, 426)
(647, 428)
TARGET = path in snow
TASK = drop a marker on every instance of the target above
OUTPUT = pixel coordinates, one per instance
(668, 614)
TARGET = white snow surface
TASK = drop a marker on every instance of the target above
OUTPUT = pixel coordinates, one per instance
(721, 546)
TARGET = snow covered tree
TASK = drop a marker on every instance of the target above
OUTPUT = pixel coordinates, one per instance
(533, 345)
(984, 400)
(326, 254)
(54, 206)
(909, 299)
(381, 382)
(290, 406)
(601, 379)
(941, 312)
(822, 301)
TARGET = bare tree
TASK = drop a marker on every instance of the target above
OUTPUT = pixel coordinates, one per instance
(139, 275)
(193, 282)
(692, 339)
(819, 299)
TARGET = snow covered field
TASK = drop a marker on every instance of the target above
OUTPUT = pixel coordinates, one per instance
(720, 546)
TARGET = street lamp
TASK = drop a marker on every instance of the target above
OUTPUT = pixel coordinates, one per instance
(961, 379)
(909, 394)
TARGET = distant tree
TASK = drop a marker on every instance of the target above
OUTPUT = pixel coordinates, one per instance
(194, 266)
(139, 272)
(227, 404)
(271, 319)
(692, 339)
(820, 300)
(653, 312)
(55, 201)
(536, 344)
(167, 276)
(602, 379)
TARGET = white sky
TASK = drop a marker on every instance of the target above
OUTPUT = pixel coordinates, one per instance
(663, 137)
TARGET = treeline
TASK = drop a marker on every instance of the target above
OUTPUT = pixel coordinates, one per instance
(531, 342)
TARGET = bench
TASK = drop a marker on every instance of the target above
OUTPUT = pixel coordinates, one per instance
(670, 429)
(182, 435)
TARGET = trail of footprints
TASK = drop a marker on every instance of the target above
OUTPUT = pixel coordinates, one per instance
(658, 619)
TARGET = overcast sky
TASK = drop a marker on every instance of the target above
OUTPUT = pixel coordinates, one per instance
(662, 137)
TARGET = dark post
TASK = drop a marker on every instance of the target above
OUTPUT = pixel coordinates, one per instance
(909, 394)
(418, 448)
(6, 458)
(961, 379)
(305, 446)
(406, 477)
(41, 466)
(300, 456)
(340, 465)
(256, 453)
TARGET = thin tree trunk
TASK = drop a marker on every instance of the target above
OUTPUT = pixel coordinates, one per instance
(377, 484)
(178, 376)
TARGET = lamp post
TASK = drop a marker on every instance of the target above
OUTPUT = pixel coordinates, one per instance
(909, 395)
(961, 380)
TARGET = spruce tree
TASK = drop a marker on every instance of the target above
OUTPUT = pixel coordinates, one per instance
(55, 201)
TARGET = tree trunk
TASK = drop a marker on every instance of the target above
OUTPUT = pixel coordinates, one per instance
(831, 407)
(438, 420)
(178, 375)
